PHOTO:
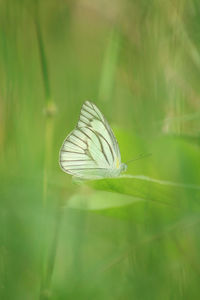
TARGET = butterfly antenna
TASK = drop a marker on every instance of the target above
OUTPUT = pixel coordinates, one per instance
(142, 155)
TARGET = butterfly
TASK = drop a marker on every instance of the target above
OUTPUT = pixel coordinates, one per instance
(91, 150)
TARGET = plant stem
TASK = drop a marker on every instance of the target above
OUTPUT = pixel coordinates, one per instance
(45, 292)
(109, 66)
(48, 258)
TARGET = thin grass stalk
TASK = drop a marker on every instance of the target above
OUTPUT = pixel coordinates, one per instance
(48, 257)
(53, 250)
(109, 66)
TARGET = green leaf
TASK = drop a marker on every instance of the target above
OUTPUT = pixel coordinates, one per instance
(99, 200)
(139, 188)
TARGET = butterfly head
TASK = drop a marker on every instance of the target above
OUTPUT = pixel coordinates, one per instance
(123, 168)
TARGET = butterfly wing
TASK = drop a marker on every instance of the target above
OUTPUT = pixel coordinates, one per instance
(91, 149)
(91, 117)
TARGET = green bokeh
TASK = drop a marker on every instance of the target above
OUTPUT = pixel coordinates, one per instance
(124, 238)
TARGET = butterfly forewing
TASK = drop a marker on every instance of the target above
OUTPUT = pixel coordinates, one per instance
(98, 123)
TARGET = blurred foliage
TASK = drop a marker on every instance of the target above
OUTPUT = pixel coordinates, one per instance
(133, 237)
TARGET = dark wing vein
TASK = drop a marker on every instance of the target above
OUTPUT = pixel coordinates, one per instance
(79, 128)
(62, 150)
(75, 160)
(75, 144)
(97, 112)
(100, 142)
(79, 138)
(111, 151)
(95, 117)
(85, 168)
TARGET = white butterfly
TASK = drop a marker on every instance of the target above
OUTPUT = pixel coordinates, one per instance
(91, 150)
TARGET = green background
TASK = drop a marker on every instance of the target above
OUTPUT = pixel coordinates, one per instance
(133, 237)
